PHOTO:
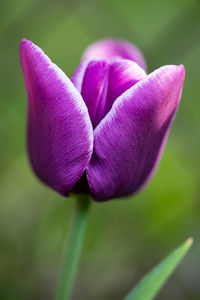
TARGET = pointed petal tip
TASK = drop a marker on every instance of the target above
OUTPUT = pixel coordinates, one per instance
(181, 75)
(182, 70)
(24, 42)
(173, 73)
(25, 46)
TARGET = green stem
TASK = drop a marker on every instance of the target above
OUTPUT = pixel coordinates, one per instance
(73, 248)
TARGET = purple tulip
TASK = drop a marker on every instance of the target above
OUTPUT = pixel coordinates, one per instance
(103, 131)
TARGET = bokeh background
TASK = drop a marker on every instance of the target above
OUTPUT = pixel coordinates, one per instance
(125, 239)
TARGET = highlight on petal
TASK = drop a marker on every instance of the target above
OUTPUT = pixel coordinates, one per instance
(101, 82)
(123, 75)
(109, 48)
(129, 141)
(60, 134)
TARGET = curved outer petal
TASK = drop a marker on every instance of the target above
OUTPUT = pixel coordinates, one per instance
(108, 48)
(101, 82)
(60, 135)
(123, 74)
(129, 140)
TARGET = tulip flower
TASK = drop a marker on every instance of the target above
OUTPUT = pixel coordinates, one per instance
(103, 131)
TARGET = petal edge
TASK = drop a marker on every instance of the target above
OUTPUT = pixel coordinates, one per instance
(60, 134)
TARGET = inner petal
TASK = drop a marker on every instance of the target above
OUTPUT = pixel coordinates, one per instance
(123, 75)
(104, 81)
(95, 88)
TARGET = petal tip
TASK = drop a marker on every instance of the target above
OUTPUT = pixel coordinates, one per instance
(24, 42)
(180, 74)
(24, 46)
(28, 45)
(182, 68)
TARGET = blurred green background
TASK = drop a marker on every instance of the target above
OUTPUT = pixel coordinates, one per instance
(125, 238)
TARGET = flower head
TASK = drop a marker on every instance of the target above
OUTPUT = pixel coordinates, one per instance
(104, 130)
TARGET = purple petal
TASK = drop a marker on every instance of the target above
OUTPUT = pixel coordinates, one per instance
(108, 48)
(60, 135)
(77, 77)
(101, 82)
(123, 74)
(129, 141)
(94, 89)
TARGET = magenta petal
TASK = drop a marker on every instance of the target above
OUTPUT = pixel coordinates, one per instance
(60, 135)
(128, 142)
(101, 82)
(77, 77)
(95, 89)
(108, 48)
(123, 74)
